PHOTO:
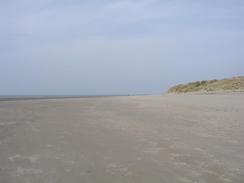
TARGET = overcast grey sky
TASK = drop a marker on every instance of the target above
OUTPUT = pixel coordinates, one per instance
(117, 46)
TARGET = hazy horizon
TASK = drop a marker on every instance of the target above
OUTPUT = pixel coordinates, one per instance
(119, 47)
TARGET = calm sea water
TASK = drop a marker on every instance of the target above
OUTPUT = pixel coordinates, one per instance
(31, 97)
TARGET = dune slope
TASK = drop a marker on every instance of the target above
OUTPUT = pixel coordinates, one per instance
(230, 85)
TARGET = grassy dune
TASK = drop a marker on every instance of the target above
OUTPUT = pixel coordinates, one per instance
(235, 84)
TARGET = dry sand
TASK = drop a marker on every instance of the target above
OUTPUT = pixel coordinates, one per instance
(144, 139)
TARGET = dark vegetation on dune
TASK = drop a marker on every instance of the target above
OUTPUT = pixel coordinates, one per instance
(234, 84)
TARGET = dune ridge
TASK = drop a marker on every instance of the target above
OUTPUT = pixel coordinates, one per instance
(234, 84)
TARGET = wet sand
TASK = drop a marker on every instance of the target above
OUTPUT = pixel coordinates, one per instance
(137, 139)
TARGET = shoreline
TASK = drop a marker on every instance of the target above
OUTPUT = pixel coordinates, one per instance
(53, 97)
(46, 97)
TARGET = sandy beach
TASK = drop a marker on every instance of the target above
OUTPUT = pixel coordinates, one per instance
(134, 139)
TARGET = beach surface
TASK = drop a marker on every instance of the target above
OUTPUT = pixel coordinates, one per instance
(129, 139)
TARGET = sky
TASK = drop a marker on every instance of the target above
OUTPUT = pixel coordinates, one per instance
(81, 47)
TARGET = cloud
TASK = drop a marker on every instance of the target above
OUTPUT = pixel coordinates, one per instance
(140, 43)
(51, 18)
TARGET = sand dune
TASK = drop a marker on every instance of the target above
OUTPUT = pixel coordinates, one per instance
(229, 85)
(169, 138)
